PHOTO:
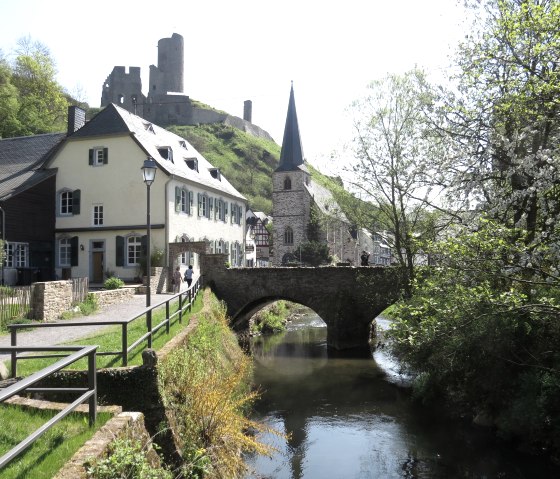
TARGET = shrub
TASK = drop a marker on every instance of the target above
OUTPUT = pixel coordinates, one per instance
(113, 283)
(206, 390)
(127, 458)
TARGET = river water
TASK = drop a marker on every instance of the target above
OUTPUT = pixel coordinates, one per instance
(352, 417)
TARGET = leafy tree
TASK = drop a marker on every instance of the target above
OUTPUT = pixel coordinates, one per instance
(43, 106)
(482, 328)
(315, 253)
(396, 155)
(505, 119)
(9, 102)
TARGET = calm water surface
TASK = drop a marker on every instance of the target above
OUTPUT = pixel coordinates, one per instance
(351, 417)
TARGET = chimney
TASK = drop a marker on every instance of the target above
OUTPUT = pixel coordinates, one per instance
(248, 111)
(76, 119)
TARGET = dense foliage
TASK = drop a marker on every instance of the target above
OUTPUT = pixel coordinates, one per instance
(246, 161)
(481, 328)
(206, 389)
(31, 100)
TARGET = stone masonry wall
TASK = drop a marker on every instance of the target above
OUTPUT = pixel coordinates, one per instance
(113, 296)
(50, 299)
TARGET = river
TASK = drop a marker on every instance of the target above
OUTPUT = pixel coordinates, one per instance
(352, 417)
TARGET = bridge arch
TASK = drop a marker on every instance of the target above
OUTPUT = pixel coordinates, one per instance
(347, 298)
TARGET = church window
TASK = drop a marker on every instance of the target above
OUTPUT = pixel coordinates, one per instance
(287, 183)
(288, 235)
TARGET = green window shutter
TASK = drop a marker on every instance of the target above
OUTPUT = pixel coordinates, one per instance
(190, 202)
(177, 199)
(119, 258)
(91, 157)
(74, 251)
(144, 243)
(240, 215)
(199, 204)
(105, 156)
(76, 199)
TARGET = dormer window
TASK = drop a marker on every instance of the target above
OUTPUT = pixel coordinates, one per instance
(215, 172)
(183, 144)
(149, 127)
(192, 163)
(166, 153)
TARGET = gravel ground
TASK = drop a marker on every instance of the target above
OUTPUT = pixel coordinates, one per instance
(54, 336)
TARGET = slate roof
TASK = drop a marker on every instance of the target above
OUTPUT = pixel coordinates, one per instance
(325, 201)
(114, 120)
(291, 156)
(22, 159)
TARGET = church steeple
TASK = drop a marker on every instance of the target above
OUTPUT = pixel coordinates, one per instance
(291, 156)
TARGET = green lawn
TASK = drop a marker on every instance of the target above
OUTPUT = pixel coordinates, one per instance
(52, 450)
(110, 340)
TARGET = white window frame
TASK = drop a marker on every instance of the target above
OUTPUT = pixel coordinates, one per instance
(97, 215)
(135, 242)
(98, 156)
(64, 252)
(66, 202)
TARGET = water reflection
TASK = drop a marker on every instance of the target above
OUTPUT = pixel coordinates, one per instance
(349, 417)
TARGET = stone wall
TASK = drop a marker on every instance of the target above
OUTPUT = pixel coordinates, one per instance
(113, 296)
(50, 299)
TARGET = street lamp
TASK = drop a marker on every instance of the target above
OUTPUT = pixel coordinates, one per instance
(149, 173)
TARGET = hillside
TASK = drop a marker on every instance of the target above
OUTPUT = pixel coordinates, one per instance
(247, 162)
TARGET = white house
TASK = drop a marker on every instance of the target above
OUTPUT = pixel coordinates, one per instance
(101, 199)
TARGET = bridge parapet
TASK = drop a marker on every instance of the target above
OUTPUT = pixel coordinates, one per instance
(347, 298)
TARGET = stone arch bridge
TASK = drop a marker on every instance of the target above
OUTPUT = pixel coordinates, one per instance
(347, 298)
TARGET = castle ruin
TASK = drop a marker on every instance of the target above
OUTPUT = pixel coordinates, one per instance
(165, 103)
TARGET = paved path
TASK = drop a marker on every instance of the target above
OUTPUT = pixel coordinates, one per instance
(53, 336)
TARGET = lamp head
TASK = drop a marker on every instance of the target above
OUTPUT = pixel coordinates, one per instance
(149, 171)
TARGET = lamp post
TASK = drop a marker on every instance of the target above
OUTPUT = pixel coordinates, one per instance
(149, 173)
(3, 243)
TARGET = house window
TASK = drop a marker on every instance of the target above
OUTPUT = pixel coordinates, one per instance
(98, 156)
(16, 255)
(97, 215)
(185, 201)
(192, 163)
(64, 252)
(215, 173)
(287, 183)
(288, 235)
(133, 250)
(166, 153)
(66, 203)
(203, 210)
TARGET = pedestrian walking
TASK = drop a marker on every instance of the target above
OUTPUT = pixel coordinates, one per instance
(177, 280)
(364, 258)
(188, 275)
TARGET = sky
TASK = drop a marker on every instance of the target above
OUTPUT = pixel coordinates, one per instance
(237, 50)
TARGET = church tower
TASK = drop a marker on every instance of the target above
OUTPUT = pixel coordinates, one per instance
(291, 201)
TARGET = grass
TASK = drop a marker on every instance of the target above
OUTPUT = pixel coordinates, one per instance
(52, 450)
(110, 340)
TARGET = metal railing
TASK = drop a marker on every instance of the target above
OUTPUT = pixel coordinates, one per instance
(186, 299)
(89, 393)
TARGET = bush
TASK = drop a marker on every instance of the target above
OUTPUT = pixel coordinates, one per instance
(127, 458)
(206, 391)
(113, 283)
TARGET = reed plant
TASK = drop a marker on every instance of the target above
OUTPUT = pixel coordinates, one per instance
(206, 386)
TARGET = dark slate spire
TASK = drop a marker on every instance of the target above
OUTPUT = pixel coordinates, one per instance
(291, 156)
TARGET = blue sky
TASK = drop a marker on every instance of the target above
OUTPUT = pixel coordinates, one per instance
(247, 50)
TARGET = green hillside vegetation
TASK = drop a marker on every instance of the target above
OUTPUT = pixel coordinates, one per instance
(246, 161)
